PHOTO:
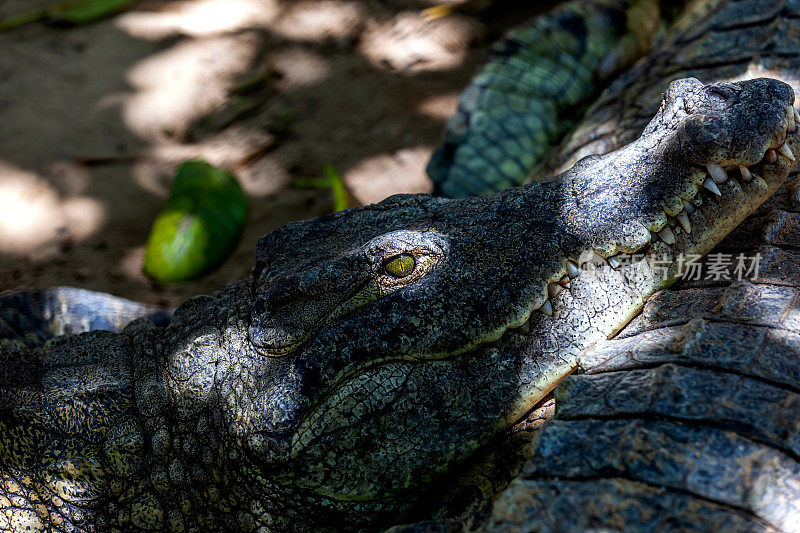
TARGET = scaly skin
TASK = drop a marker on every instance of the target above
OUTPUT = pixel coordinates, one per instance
(688, 422)
(532, 88)
(713, 40)
(371, 350)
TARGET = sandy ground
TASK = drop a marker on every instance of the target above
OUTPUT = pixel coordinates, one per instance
(94, 121)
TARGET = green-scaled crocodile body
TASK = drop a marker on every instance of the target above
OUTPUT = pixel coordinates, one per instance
(373, 351)
(531, 88)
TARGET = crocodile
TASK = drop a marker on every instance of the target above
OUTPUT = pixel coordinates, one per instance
(530, 91)
(687, 419)
(374, 350)
(407, 333)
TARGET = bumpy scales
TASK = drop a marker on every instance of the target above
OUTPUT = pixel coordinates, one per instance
(374, 349)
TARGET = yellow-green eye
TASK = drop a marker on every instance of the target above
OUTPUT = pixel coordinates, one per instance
(400, 266)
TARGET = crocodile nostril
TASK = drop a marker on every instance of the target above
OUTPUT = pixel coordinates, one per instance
(780, 91)
(722, 92)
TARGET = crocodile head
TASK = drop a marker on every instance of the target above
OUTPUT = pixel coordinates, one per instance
(391, 341)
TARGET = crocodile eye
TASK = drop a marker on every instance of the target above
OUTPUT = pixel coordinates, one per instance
(400, 266)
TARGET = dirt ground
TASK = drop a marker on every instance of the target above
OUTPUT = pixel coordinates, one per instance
(94, 120)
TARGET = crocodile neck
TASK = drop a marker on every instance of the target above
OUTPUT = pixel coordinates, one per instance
(196, 471)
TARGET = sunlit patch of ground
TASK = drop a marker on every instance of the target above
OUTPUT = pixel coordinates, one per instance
(131, 264)
(35, 221)
(318, 20)
(299, 67)
(402, 171)
(176, 87)
(198, 18)
(441, 106)
(409, 42)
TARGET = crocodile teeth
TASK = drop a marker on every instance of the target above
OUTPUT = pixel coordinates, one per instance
(796, 115)
(771, 156)
(547, 308)
(666, 235)
(688, 207)
(784, 149)
(525, 328)
(791, 127)
(746, 175)
(683, 220)
(572, 269)
(613, 261)
(718, 173)
(553, 289)
(564, 282)
(711, 186)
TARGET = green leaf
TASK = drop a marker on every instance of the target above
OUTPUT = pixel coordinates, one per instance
(72, 13)
(332, 181)
(199, 226)
(336, 184)
(85, 11)
(251, 85)
(23, 18)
